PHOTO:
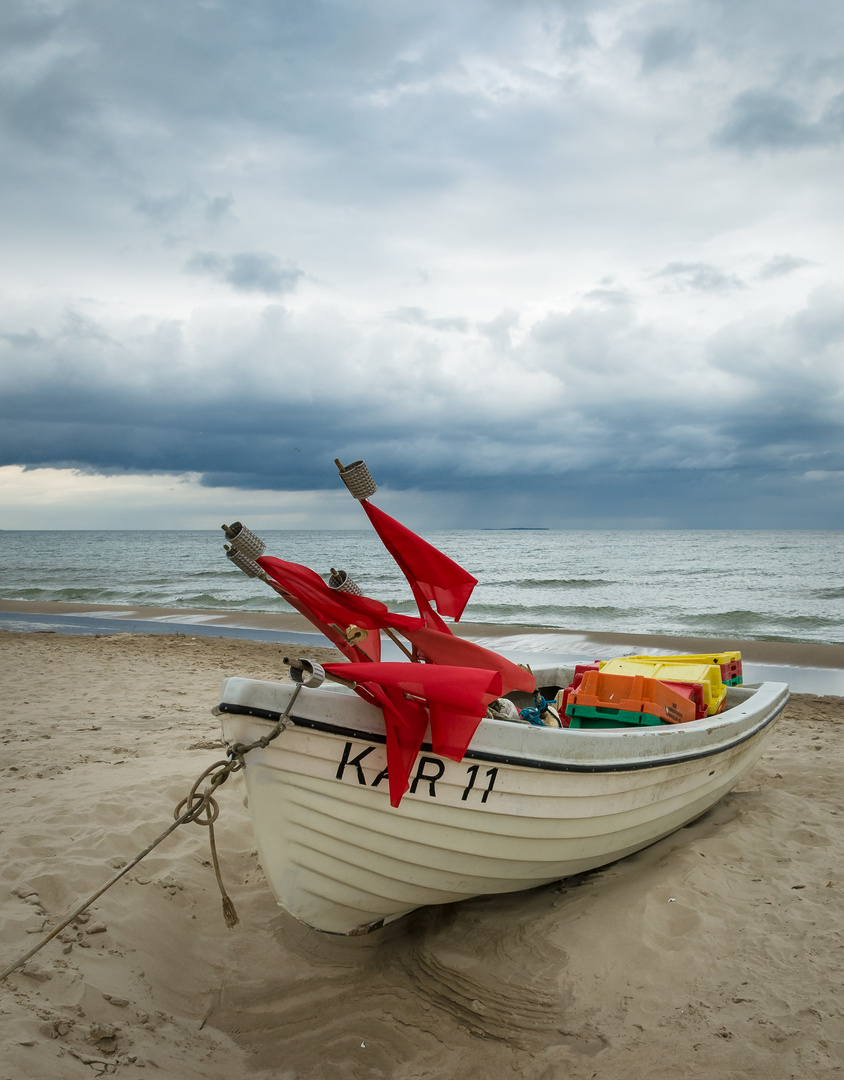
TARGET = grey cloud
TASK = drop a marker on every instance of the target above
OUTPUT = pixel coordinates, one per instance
(248, 271)
(700, 276)
(416, 316)
(51, 110)
(370, 104)
(586, 333)
(610, 297)
(219, 207)
(499, 330)
(667, 46)
(27, 339)
(169, 91)
(766, 120)
(165, 209)
(790, 379)
(780, 265)
(168, 209)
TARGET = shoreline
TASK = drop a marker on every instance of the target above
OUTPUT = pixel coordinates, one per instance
(807, 667)
(786, 653)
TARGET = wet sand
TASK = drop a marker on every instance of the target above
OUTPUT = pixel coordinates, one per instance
(716, 952)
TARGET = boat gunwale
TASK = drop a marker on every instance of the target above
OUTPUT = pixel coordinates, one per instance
(542, 764)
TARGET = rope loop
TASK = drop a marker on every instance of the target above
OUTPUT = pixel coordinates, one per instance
(201, 807)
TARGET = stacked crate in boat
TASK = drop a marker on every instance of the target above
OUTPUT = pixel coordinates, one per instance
(648, 690)
(608, 700)
(671, 669)
(728, 662)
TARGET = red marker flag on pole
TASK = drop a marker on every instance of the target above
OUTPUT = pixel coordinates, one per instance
(433, 577)
(456, 700)
(334, 611)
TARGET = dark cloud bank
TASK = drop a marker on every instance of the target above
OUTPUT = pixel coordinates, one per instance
(582, 422)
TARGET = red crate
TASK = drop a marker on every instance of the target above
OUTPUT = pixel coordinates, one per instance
(563, 695)
(693, 692)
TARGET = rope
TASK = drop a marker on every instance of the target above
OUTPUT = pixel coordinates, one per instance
(196, 804)
(535, 714)
(205, 810)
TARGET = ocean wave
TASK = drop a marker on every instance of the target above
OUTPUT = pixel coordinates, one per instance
(828, 594)
(548, 583)
(70, 595)
(744, 620)
(517, 612)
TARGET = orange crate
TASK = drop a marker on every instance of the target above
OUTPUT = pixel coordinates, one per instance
(674, 670)
(633, 693)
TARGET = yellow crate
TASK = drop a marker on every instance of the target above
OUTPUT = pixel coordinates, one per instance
(729, 663)
(708, 675)
(703, 658)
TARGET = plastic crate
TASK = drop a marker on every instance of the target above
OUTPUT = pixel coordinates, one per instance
(633, 694)
(707, 675)
(693, 692)
(729, 663)
(563, 695)
(582, 716)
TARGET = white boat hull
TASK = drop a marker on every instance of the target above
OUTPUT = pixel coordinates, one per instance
(526, 806)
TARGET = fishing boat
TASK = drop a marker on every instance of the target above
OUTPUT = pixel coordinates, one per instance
(448, 774)
(527, 805)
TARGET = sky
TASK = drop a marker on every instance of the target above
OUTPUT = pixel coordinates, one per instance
(572, 264)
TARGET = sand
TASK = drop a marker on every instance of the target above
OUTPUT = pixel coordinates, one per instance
(714, 953)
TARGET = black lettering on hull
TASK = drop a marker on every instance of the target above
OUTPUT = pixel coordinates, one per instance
(472, 772)
(431, 778)
(347, 759)
(428, 771)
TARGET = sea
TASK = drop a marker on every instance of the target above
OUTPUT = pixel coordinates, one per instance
(757, 585)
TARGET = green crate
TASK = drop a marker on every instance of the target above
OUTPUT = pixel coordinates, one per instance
(587, 716)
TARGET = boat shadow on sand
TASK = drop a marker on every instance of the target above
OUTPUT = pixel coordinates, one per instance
(483, 973)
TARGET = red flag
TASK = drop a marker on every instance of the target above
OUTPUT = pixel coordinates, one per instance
(456, 697)
(442, 648)
(405, 723)
(431, 575)
(332, 611)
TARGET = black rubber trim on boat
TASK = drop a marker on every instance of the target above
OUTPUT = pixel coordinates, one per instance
(507, 759)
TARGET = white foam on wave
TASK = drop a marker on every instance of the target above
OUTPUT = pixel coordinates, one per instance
(106, 613)
(184, 618)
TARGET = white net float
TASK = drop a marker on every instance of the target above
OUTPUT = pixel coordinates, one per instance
(307, 673)
(244, 540)
(341, 582)
(243, 562)
(358, 479)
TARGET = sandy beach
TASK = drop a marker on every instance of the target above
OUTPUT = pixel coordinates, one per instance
(716, 952)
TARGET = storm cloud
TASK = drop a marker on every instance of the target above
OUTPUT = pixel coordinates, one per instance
(552, 263)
